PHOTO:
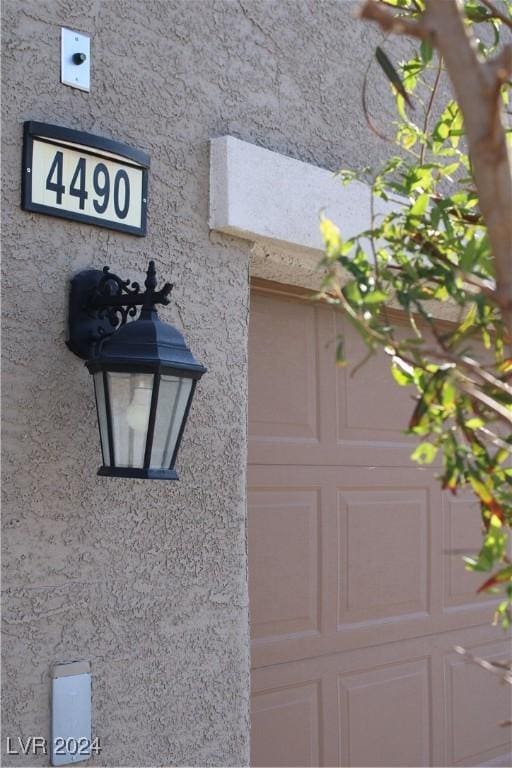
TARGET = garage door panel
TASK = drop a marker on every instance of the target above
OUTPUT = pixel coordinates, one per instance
(284, 391)
(385, 716)
(384, 554)
(477, 702)
(286, 726)
(285, 590)
(382, 417)
(462, 536)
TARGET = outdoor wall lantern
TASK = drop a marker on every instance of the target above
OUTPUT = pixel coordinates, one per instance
(144, 373)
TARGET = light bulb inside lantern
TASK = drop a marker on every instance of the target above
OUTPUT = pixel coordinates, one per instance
(137, 413)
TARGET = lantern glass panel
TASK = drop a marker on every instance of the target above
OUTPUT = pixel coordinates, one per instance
(173, 397)
(99, 389)
(130, 405)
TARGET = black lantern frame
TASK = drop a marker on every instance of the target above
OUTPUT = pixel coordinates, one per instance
(144, 374)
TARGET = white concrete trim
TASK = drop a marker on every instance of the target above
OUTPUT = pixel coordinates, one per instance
(260, 195)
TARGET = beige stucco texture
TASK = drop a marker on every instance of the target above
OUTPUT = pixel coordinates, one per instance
(148, 579)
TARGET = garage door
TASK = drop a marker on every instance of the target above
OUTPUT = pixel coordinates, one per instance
(356, 595)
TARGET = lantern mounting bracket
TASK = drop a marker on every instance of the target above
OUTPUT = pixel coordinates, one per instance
(100, 303)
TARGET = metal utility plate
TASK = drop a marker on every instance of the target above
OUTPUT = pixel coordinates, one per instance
(75, 75)
(71, 713)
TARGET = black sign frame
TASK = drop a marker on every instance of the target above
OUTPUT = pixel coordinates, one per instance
(88, 142)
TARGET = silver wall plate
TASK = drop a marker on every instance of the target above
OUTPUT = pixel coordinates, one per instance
(71, 713)
(75, 59)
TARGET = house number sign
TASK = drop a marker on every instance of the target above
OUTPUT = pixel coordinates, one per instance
(87, 178)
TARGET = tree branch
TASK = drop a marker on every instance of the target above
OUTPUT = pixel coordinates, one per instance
(430, 105)
(504, 669)
(501, 65)
(470, 389)
(386, 19)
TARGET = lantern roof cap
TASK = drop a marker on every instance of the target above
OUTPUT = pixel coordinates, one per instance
(146, 341)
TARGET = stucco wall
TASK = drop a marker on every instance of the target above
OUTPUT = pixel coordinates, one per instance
(148, 580)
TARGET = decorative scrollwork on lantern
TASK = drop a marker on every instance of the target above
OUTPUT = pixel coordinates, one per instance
(116, 300)
(102, 302)
(110, 290)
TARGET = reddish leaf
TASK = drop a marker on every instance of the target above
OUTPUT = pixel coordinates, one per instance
(497, 578)
(495, 509)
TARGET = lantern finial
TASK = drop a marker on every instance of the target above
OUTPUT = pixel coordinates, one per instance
(150, 281)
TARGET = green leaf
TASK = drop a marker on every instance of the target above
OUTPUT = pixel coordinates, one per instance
(448, 170)
(469, 320)
(449, 125)
(426, 51)
(420, 205)
(468, 257)
(375, 297)
(400, 376)
(441, 293)
(449, 395)
(476, 12)
(480, 488)
(392, 74)
(443, 131)
(407, 136)
(331, 236)
(474, 423)
(425, 453)
(352, 292)
(493, 548)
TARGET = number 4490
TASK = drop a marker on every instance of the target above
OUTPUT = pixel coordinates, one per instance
(100, 182)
